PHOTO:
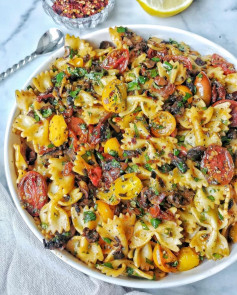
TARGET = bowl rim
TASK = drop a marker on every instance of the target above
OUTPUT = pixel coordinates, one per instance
(66, 256)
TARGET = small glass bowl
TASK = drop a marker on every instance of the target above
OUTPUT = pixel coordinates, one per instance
(78, 23)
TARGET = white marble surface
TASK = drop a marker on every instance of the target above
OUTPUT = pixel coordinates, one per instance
(23, 22)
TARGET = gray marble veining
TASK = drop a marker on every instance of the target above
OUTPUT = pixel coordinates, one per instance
(23, 22)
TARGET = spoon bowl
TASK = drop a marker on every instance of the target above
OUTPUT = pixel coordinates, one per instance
(50, 41)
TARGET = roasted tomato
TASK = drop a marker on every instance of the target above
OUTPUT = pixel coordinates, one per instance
(162, 87)
(164, 259)
(32, 190)
(219, 164)
(233, 110)
(219, 61)
(68, 169)
(163, 124)
(203, 87)
(114, 96)
(95, 175)
(116, 59)
(78, 126)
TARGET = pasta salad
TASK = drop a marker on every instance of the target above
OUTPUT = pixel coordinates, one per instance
(127, 154)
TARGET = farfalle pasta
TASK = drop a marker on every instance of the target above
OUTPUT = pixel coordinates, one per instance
(127, 154)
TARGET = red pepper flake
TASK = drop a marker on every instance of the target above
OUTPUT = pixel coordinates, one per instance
(78, 8)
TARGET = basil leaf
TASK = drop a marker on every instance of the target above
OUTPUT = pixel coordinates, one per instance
(89, 216)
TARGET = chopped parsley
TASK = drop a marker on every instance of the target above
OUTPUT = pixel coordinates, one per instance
(148, 167)
(156, 59)
(107, 240)
(204, 170)
(134, 85)
(36, 117)
(220, 216)
(130, 271)
(58, 78)
(155, 222)
(176, 152)
(89, 216)
(136, 130)
(142, 80)
(108, 264)
(211, 198)
(121, 29)
(74, 93)
(115, 164)
(113, 153)
(144, 226)
(46, 112)
(50, 146)
(167, 66)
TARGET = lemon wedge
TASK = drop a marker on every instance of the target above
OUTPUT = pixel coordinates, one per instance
(164, 8)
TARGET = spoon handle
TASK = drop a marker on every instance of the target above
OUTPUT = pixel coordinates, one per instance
(18, 66)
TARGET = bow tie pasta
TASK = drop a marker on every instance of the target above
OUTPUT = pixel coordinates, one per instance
(127, 154)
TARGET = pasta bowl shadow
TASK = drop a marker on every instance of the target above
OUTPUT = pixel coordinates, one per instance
(205, 269)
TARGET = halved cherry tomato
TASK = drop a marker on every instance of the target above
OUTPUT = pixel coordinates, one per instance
(127, 186)
(163, 124)
(32, 190)
(219, 61)
(185, 91)
(219, 164)
(104, 210)
(95, 175)
(203, 86)
(78, 126)
(164, 259)
(185, 60)
(116, 59)
(114, 96)
(233, 110)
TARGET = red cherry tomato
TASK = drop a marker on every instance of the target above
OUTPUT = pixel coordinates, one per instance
(116, 59)
(185, 60)
(233, 110)
(219, 61)
(95, 175)
(219, 164)
(32, 190)
(78, 126)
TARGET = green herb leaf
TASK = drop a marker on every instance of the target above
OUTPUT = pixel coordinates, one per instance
(44, 225)
(167, 66)
(148, 167)
(107, 240)
(204, 170)
(220, 216)
(186, 97)
(50, 146)
(144, 226)
(133, 86)
(113, 153)
(46, 113)
(176, 152)
(59, 78)
(156, 59)
(108, 264)
(121, 29)
(72, 53)
(211, 198)
(142, 79)
(115, 163)
(89, 216)
(136, 130)
(199, 75)
(175, 263)
(217, 255)
(130, 271)
(155, 222)
(154, 73)
(36, 117)
(149, 261)
(74, 93)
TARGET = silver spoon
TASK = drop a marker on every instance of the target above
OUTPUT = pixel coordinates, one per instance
(50, 41)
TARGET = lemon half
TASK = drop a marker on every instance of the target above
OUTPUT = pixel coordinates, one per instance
(164, 8)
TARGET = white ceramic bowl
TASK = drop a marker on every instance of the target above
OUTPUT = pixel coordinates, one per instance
(207, 268)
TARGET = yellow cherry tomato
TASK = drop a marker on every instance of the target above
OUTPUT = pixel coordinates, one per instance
(188, 259)
(114, 96)
(186, 92)
(112, 147)
(104, 210)
(127, 186)
(164, 259)
(58, 132)
(77, 62)
(163, 124)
